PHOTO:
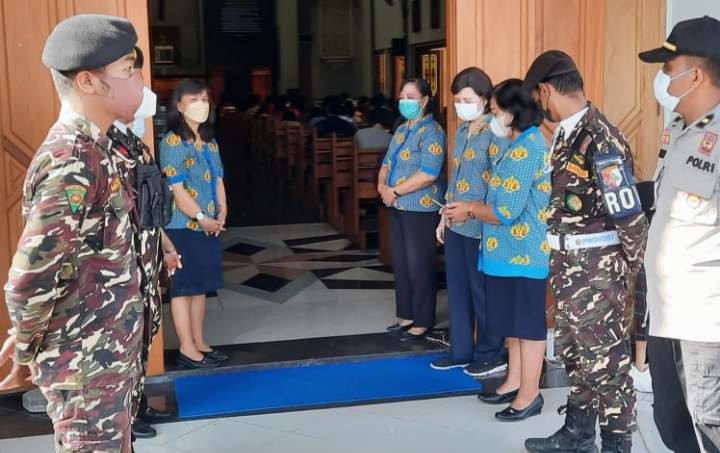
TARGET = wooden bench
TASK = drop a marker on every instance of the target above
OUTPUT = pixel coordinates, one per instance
(366, 165)
(322, 166)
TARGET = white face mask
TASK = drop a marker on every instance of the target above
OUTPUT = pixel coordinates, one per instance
(498, 127)
(661, 85)
(198, 111)
(148, 105)
(469, 112)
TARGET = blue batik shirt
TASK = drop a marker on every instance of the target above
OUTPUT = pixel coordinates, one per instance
(470, 170)
(519, 192)
(418, 148)
(198, 168)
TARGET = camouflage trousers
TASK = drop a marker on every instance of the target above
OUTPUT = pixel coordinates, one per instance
(93, 419)
(590, 333)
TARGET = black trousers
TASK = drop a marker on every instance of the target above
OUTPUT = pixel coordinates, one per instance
(414, 260)
(468, 304)
(669, 406)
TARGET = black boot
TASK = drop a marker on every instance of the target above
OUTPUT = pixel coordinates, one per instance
(616, 443)
(576, 436)
(151, 415)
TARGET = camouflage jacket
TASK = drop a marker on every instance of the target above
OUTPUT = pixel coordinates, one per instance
(577, 204)
(73, 292)
(148, 244)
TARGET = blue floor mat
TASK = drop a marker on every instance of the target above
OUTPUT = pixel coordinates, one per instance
(318, 386)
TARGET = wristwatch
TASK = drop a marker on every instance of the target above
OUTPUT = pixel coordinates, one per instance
(396, 193)
(471, 214)
(200, 216)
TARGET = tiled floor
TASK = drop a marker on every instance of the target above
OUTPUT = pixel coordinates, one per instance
(454, 425)
(288, 282)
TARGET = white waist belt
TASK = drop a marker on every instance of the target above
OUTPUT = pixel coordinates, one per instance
(582, 241)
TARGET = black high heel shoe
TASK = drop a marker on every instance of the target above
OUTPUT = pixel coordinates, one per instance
(498, 398)
(511, 414)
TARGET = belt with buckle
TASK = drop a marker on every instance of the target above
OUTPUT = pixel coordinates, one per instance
(562, 242)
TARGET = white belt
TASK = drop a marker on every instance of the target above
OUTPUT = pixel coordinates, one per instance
(582, 241)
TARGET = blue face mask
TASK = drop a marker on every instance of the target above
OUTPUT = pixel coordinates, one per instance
(410, 108)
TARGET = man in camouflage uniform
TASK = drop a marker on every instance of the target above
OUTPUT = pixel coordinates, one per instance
(74, 287)
(597, 231)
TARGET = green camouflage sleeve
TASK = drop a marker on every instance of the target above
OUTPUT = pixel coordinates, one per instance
(44, 264)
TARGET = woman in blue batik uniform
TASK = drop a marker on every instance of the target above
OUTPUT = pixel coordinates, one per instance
(470, 168)
(515, 256)
(411, 184)
(190, 159)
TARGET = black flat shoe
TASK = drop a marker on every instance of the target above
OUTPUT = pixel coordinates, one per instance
(497, 398)
(513, 415)
(142, 430)
(408, 337)
(187, 362)
(216, 355)
(151, 415)
(397, 328)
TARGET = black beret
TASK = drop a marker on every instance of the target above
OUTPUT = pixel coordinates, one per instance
(548, 64)
(88, 41)
(698, 37)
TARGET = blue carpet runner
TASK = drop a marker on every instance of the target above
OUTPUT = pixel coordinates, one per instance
(318, 386)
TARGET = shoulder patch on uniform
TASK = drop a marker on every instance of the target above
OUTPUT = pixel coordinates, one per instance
(665, 138)
(75, 194)
(707, 145)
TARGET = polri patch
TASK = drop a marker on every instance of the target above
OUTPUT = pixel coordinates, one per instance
(708, 143)
(76, 196)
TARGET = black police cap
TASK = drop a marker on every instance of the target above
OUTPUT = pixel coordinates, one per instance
(698, 37)
(88, 41)
(548, 64)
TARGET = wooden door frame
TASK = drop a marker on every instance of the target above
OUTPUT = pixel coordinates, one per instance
(17, 151)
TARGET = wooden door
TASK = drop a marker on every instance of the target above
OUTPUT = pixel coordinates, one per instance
(29, 105)
(604, 37)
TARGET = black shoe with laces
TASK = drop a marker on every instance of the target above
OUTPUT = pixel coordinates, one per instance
(142, 429)
(616, 442)
(576, 436)
(446, 363)
(485, 369)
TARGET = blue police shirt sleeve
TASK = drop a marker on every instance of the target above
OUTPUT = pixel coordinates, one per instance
(517, 172)
(433, 146)
(173, 157)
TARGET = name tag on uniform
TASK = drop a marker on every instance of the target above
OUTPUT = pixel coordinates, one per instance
(617, 186)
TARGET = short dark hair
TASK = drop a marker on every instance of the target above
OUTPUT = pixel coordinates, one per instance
(424, 88)
(474, 78)
(712, 67)
(176, 122)
(572, 82)
(510, 96)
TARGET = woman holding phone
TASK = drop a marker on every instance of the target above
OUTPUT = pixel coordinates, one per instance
(471, 348)
(516, 256)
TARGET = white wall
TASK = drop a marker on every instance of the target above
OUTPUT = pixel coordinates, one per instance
(679, 10)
